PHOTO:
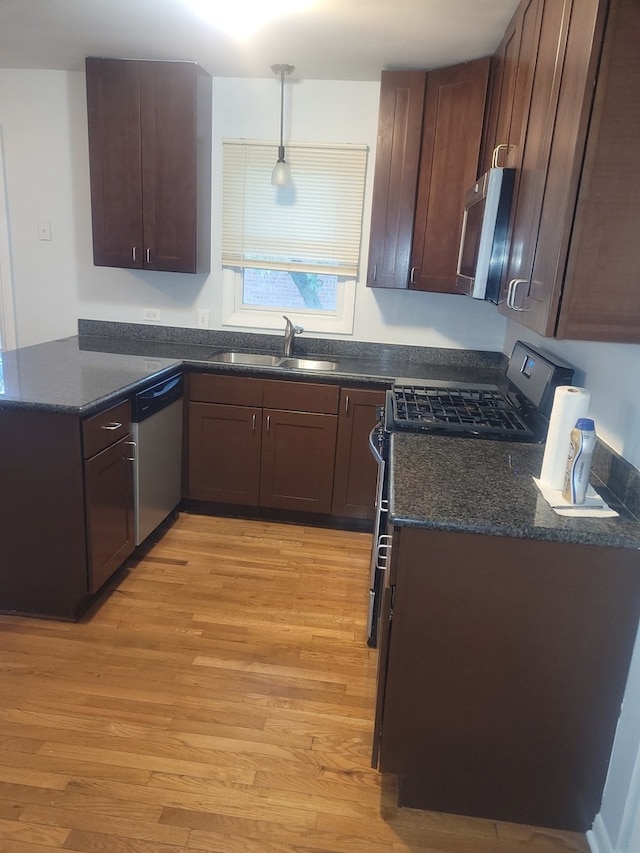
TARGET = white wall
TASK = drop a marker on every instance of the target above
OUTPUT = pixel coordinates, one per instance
(41, 124)
(619, 818)
(610, 372)
(44, 116)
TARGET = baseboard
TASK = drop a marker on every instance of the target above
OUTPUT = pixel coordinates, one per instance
(598, 837)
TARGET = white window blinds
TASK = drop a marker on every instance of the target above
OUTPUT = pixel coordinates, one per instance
(312, 225)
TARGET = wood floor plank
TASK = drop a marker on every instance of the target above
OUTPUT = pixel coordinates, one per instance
(219, 699)
(31, 833)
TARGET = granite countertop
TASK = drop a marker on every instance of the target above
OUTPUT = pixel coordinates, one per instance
(372, 369)
(81, 374)
(481, 486)
(58, 376)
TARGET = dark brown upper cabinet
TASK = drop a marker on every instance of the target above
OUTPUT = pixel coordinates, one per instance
(429, 137)
(150, 164)
(573, 266)
(511, 79)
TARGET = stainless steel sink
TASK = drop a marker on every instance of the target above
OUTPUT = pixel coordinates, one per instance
(264, 360)
(307, 364)
(257, 358)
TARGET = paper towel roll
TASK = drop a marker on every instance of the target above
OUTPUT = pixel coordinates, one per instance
(569, 404)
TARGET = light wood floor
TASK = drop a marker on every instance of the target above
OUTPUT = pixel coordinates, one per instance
(220, 699)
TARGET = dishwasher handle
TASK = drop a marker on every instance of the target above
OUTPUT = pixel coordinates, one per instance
(157, 397)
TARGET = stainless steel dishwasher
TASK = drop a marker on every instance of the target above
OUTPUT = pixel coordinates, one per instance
(157, 434)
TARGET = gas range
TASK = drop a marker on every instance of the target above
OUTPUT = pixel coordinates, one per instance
(518, 412)
(480, 410)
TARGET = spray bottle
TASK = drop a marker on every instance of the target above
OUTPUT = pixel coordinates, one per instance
(581, 446)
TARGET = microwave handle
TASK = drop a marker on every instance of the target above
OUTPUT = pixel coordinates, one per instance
(496, 154)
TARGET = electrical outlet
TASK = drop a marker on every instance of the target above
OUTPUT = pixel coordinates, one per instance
(151, 315)
(203, 318)
(44, 230)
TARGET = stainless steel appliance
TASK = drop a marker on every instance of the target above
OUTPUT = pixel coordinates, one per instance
(483, 241)
(157, 435)
(381, 548)
(517, 411)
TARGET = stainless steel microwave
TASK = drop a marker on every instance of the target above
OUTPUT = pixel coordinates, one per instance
(483, 242)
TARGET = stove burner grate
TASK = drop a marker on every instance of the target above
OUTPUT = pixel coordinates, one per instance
(477, 410)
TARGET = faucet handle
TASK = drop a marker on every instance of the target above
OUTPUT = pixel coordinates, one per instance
(297, 330)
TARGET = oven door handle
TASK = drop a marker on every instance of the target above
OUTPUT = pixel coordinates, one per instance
(383, 551)
(373, 445)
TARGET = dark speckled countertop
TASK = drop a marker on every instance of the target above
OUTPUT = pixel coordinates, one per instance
(82, 374)
(479, 486)
(380, 368)
(58, 376)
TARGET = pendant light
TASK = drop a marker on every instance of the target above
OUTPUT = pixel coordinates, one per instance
(281, 175)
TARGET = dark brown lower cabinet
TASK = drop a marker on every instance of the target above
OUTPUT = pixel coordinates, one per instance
(298, 451)
(109, 511)
(355, 475)
(225, 444)
(268, 443)
(67, 507)
(502, 668)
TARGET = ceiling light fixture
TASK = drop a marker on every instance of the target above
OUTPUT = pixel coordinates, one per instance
(281, 175)
(241, 19)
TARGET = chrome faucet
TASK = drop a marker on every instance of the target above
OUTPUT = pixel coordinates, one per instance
(289, 331)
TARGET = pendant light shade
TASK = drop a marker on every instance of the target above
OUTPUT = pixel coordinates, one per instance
(281, 175)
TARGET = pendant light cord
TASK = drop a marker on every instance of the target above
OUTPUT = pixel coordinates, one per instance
(281, 148)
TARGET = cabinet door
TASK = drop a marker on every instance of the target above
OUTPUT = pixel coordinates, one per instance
(113, 105)
(513, 65)
(451, 136)
(396, 177)
(601, 297)
(172, 185)
(224, 453)
(109, 511)
(150, 164)
(536, 147)
(354, 482)
(297, 460)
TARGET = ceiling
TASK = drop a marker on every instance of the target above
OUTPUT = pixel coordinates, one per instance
(331, 40)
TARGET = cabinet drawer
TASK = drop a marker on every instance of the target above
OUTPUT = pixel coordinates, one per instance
(106, 428)
(230, 390)
(301, 397)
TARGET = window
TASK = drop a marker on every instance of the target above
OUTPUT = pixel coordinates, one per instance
(294, 248)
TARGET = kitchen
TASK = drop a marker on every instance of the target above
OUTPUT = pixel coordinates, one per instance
(55, 283)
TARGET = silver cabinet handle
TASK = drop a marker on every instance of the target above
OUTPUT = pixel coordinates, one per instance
(268, 422)
(148, 256)
(412, 275)
(375, 271)
(511, 293)
(134, 253)
(346, 405)
(253, 422)
(112, 426)
(131, 458)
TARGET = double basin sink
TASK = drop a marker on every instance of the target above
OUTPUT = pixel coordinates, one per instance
(264, 360)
